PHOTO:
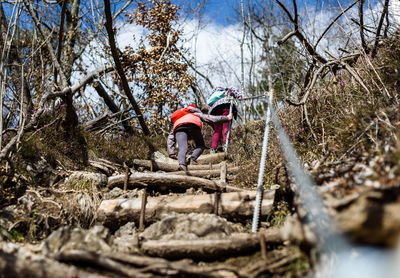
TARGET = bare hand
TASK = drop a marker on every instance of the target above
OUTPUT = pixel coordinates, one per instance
(230, 116)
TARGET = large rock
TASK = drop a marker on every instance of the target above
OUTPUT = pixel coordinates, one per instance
(118, 193)
(189, 226)
(86, 180)
(126, 239)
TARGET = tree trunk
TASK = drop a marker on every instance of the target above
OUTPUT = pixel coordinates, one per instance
(120, 69)
(164, 181)
(205, 173)
(19, 81)
(111, 105)
(171, 167)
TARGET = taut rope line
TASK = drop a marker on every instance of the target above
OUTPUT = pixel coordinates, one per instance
(257, 206)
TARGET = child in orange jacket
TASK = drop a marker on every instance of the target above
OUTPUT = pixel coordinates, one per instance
(188, 127)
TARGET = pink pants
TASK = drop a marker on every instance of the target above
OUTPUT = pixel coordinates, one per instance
(219, 128)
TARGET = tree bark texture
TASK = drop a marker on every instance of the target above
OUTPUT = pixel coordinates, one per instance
(207, 173)
(209, 248)
(120, 69)
(171, 167)
(163, 181)
(233, 205)
(111, 105)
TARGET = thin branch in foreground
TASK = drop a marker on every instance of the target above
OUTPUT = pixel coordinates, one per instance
(120, 70)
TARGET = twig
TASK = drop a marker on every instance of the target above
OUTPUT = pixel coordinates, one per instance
(351, 71)
(361, 16)
(120, 70)
(378, 31)
(308, 122)
(357, 140)
(333, 21)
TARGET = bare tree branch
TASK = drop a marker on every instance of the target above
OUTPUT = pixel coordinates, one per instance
(60, 34)
(333, 22)
(378, 31)
(310, 49)
(285, 10)
(53, 57)
(287, 36)
(122, 9)
(111, 105)
(361, 16)
(318, 72)
(15, 65)
(120, 69)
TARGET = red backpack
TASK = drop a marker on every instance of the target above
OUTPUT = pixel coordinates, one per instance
(180, 113)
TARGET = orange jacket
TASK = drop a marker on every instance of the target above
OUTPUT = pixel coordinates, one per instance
(189, 118)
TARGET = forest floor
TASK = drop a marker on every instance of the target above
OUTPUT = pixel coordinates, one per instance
(151, 220)
(100, 206)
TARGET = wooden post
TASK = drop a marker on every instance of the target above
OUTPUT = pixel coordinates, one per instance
(143, 211)
(126, 177)
(223, 174)
(151, 165)
(217, 196)
(263, 246)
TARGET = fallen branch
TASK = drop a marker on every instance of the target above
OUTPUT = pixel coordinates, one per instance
(171, 167)
(203, 159)
(212, 158)
(163, 181)
(206, 173)
(108, 169)
(149, 267)
(233, 205)
(209, 248)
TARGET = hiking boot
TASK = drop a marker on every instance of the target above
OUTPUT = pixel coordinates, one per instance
(212, 151)
(192, 161)
(182, 167)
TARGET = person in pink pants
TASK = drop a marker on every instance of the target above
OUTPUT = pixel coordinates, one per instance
(221, 107)
(220, 128)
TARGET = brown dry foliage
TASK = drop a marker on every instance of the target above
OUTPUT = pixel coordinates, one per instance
(160, 73)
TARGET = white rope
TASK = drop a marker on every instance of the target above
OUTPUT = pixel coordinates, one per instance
(260, 189)
(340, 258)
(322, 223)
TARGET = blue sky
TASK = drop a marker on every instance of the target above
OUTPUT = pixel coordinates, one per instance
(225, 12)
(218, 11)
